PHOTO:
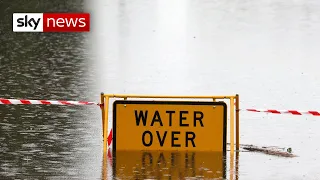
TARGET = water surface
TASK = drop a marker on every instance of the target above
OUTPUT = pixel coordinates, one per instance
(266, 51)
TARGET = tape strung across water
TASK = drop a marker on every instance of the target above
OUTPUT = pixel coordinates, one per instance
(45, 102)
(59, 102)
(293, 112)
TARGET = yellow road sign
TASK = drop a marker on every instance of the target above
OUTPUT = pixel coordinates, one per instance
(169, 125)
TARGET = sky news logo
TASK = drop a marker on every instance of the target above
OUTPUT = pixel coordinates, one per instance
(51, 22)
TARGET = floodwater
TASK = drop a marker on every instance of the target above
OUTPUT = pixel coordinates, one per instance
(265, 51)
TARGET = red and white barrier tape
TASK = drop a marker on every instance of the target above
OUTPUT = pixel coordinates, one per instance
(59, 102)
(293, 112)
(45, 102)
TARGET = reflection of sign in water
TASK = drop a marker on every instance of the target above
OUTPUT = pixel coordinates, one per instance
(168, 165)
(169, 125)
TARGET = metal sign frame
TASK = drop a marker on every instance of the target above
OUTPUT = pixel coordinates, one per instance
(234, 112)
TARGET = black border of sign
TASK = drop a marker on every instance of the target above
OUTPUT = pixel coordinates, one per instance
(114, 123)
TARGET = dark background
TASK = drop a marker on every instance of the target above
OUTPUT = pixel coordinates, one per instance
(38, 141)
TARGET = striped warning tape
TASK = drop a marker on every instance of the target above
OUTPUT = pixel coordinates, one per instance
(293, 112)
(59, 102)
(45, 102)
